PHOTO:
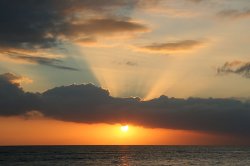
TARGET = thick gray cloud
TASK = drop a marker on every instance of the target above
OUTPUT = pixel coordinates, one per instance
(235, 67)
(91, 104)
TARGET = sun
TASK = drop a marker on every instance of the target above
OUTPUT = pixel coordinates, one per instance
(124, 128)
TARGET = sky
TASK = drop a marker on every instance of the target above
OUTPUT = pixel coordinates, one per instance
(72, 72)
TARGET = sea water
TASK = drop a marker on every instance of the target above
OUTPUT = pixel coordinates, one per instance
(123, 155)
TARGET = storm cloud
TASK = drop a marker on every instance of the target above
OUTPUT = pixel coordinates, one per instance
(87, 103)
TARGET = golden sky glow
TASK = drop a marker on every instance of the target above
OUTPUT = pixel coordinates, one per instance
(19, 131)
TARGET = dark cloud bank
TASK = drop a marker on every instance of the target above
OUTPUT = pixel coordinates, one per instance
(91, 104)
(47, 24)
(41, 24)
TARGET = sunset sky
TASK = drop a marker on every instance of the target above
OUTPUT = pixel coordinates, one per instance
(76, 71)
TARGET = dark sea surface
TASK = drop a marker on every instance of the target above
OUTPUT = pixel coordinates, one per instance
(123, 155)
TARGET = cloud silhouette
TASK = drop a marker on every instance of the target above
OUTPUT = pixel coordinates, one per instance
(90, 104)
(235, 67)
(14, 101)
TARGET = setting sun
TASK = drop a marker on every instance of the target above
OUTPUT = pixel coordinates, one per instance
(124, 128)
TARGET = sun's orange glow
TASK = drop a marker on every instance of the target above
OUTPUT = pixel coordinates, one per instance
(124, 128)
(19, 131)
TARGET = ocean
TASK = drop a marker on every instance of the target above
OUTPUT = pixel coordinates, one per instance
(123, 155)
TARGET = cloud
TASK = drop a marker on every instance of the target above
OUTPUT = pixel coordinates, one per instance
(104, 26)
(14, 101)
(236, 67)
(32, 25)
(52, 62)
(233, 13)
(90, 104)
(47, 25)
(15, 79)
(131, 63)
(184, 45)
